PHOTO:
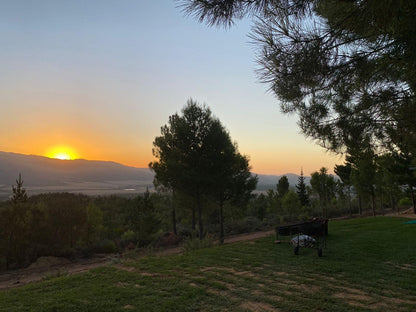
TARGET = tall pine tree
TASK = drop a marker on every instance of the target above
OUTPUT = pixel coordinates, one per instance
(301, 190)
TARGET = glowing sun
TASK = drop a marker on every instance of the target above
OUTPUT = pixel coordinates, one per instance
(61, 152)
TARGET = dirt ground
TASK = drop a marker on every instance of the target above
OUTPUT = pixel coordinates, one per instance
(408, 213)
(47, 267)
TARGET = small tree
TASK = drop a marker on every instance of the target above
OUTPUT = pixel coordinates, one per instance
(324, 186)
(19, 193)
(282, 186)
(143, 219)
(15, 219)
(94, 222)
(291, 206)
(301, 190)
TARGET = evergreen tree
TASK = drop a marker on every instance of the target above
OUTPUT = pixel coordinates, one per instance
(292, 209)
(324, 186)
(144, 220)
(301, 190)
(282, 186)
(196, 156)
(19, 193)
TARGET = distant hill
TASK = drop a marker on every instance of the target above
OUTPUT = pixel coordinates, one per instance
(42, 174)
(267, 182)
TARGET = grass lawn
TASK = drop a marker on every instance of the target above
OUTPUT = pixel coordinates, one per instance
(368, 265)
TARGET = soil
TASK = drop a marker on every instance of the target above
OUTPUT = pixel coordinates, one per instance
(47, 267)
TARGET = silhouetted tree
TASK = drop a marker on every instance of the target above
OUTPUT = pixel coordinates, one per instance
(196, 156)
(282, 186)
(19, 193)
(233, 182)
(301, 190)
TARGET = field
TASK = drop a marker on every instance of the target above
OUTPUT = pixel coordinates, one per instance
(368, 265)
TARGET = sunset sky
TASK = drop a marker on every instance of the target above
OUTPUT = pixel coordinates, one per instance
(101, 77)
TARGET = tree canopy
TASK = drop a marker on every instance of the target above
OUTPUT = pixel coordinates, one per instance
(282, 186)
(196, 156)
(347, 68)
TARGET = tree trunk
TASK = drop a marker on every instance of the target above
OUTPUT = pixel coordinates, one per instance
(373, 202)
(360, 207)
(393, 206)
(413, 198)
(349, 200)
(193, 219)
(200, 224)
(173, 212)
(221, 223)
(9, 251)
(381, 204)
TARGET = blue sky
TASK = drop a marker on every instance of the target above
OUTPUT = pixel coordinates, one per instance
(103, 76)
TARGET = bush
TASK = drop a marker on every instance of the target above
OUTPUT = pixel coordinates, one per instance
(184, 231)
(106, 246)
(195, 243)
(405, 202)
(144, 220)
(246, 225)
(167, 240)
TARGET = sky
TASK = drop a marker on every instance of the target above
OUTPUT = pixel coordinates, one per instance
(102, 77)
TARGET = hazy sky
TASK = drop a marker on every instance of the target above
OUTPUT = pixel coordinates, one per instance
(103, 76)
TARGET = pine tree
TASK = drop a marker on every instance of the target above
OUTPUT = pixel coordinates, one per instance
(282, 186)
(19, 193)
(301, 190)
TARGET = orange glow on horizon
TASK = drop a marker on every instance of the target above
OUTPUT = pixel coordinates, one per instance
(61, 152)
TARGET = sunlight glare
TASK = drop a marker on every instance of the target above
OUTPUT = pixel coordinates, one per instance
(61, 152)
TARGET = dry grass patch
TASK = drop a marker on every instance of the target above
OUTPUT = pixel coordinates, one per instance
(122, 284)
(244, 273)
(128, 307)
(405, 266)
(354, 297)
(398, 301)
(280, 273)
(258, 307)
(360, 298)
(207, 269)
(123, 267)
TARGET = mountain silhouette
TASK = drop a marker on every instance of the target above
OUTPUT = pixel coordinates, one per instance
(42, 174)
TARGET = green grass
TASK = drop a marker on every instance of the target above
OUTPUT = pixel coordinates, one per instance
(369, 265)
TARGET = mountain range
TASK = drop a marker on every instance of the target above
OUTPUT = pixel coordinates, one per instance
(42, 174)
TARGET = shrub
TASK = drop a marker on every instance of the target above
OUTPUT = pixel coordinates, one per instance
(167, 240)
(246, 225)
(405, 202)
(106, 246)
(195, 243)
